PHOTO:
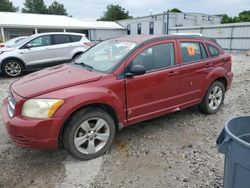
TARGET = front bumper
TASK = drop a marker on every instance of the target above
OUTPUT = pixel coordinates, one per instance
(32, 133)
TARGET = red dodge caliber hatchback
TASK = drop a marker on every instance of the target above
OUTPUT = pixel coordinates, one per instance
(118, 82)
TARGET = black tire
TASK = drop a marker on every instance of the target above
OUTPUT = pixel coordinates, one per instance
(73, 128)
(17, 68)
(77, 55)
(205, 107)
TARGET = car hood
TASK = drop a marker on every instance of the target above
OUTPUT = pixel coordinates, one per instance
(6, 49)
(52, 79)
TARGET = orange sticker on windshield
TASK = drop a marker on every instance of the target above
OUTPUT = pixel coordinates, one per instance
(191, 50)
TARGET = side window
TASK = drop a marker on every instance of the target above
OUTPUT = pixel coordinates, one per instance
(213, 51)
(75, 38)
(151, 28)
(41, 41)
(203, 51)
(61, 39)
(128, 29)
(192, 51)
(138, 28)
(156, 57)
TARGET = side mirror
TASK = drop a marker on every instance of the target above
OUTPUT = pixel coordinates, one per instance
(136, 70)
(29, 45)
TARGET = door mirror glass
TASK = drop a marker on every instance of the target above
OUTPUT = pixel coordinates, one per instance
(136, 70)
(29, 45)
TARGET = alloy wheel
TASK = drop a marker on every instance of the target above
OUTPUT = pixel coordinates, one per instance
(13, 68)
(91, 136)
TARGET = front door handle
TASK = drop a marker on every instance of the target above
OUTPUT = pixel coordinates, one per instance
(172, 73)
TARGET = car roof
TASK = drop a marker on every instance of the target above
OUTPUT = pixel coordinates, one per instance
(148, 38)
(56, 33)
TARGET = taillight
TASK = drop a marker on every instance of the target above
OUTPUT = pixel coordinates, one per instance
(87, 43)
(1, 45)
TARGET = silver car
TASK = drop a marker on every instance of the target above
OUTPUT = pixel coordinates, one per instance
(41, 50)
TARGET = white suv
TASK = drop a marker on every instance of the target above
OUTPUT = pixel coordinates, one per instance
(41, 50)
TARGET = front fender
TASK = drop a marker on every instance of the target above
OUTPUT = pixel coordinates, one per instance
(76, 98)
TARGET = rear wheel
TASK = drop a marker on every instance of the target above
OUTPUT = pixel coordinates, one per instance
(89, 133)
(77, 55)
(213, 99)
(12, 68)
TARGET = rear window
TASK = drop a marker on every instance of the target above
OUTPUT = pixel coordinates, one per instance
(75, 38)
(192, 51)
(61, 39)
(213, 50)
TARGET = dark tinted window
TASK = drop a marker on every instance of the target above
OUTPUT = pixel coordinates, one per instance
(156, 57)
(138, 28)
(128, 29)
(61, 39)
(203, 51)
(213, 51)
(41, 41)
(192, 51)
(151, 28)
(75, 38)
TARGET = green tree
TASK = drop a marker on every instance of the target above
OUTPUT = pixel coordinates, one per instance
(226, 19)
(34, 6)
(7, 6)
(115, 12)
(244, 16)
(174, 10)
(57, 9)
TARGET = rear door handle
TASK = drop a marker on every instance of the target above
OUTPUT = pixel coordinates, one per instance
(172, 73)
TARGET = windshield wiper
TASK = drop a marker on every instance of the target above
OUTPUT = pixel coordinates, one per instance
(84, 65)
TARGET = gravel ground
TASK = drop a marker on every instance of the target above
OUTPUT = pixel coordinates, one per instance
(176, 150)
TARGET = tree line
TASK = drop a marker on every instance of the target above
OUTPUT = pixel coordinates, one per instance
(112, 13)
(35, 7)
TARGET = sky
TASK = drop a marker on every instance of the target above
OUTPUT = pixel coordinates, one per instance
(93, 9)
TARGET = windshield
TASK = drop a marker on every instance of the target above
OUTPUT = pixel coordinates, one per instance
(106, 55)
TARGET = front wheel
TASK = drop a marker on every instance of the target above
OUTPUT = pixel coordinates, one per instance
(89, 133)
(213, 99)
(12, 68)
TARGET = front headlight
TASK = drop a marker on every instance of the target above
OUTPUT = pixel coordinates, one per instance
(41, 108)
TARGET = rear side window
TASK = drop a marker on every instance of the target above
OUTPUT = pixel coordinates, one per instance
(75, 38)
(192, 51)
(61, 39)
(213, 51)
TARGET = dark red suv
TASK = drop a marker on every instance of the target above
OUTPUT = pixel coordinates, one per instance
(117, 83)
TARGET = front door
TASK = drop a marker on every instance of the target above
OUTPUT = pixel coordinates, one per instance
(155, 92)
(40, 51)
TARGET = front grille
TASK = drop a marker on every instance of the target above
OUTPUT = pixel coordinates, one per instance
(11, 105)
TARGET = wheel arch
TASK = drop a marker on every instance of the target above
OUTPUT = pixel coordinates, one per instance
(106, 107)
(221, 79)
(76, 54)
(15, 58)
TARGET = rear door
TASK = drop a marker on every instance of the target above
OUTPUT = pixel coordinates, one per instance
(62, 47)
(195, 66)
(156, 92)
(40, 52)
